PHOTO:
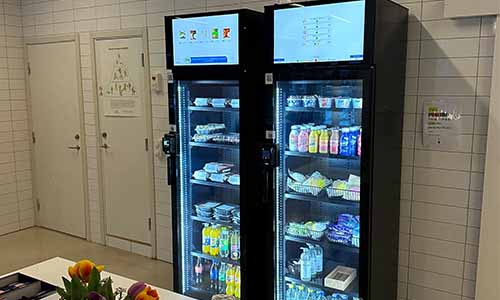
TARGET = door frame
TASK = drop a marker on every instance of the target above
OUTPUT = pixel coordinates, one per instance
(54, 39)
(124, 34)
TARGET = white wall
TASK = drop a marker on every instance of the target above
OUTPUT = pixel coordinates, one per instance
(442, 186)
(441, 195)
(16, 205)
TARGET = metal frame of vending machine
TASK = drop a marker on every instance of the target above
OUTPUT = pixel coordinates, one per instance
(244, 81)
(379, 79)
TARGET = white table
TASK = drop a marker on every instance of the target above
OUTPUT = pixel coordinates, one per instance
(53, 269)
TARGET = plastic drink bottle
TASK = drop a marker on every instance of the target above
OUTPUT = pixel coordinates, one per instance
(230, 281)
(222, 278)
(320, 295)
(198, 272)
(314, 260)
(359, 141)
(214, 277)
(237, 283)
(303, 142)
(323, 142)
(353, 141)
(344, 141)
(334, 141)
(293, 141)
(320, 258)
(311, 294)
(214, 240)
(313, 141)
(301, 293)
(290, 292)
(235, 245)
(224, 242)
(305, 265)
(205, 233)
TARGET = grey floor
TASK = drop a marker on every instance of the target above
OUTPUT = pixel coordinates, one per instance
(28, 247)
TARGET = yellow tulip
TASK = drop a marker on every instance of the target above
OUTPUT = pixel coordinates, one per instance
(82, 270)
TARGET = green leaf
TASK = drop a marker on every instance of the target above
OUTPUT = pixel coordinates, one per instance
(67, 285)
(78, 290)
(62, 293)
(107, 291)
(94, 280)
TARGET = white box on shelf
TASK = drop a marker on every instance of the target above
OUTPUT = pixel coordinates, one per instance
(340, 278)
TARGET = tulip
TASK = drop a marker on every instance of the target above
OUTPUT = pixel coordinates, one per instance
(135, 289)
(82, 270)
(95, 296)
(148, 294)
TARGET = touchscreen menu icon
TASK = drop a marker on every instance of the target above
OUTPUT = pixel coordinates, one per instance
(193, 33)
(227, 33)
(215, 33)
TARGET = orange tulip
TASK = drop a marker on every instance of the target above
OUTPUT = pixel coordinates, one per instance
(148, 294)
(82, 270)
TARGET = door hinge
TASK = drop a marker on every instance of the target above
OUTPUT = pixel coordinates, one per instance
(146, 144)
(29, 69)
(37, 204)
(149, 224)
(33, 138)
(142, 60)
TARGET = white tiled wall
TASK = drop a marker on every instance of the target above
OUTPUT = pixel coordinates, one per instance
(448, 60)
(16, 204)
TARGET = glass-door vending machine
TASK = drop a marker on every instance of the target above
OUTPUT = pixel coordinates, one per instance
(215, 63)
(336, 69)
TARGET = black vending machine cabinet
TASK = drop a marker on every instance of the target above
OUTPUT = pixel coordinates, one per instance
(336, 72)
(215, 104)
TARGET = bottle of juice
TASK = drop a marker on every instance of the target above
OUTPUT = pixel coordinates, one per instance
(303, 142)
(224, 242)
(214, 240)
(237, 283)
(293, 144)
(313, 141)
(222, 278)
(230, 280)
(198, 273)
(334, 141)
(345, 135)
(235, 245)
(205, 233)
(323, 142)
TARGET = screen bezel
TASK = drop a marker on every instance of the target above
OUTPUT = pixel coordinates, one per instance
(170, 44)
(367, 41)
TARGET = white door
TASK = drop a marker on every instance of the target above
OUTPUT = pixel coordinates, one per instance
(58, 148)
(124, 139)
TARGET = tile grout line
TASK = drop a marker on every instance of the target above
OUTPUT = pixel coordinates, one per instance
(414, 152)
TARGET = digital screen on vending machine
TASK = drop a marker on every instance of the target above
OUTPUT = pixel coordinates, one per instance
(209, 40)
(319, 33)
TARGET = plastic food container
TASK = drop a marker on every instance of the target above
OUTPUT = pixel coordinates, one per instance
(294, 101)
(309, 101)
(201, 102)
(357, 103)
(303, 189)
(325, 102)
(219, 102)
(342, 102)
(235, 103)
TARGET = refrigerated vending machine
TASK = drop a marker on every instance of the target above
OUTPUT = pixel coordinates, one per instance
(337, 72)
(215, 63)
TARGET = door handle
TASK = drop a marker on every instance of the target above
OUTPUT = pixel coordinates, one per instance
(77, 148)
(105, 146)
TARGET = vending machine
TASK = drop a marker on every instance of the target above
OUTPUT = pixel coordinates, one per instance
(215, 64)
(336, 70)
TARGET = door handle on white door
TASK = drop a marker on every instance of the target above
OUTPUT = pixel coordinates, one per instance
(77, 148)
(105, 146)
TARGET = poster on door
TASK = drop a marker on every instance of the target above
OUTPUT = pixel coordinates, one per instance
(117, 81)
